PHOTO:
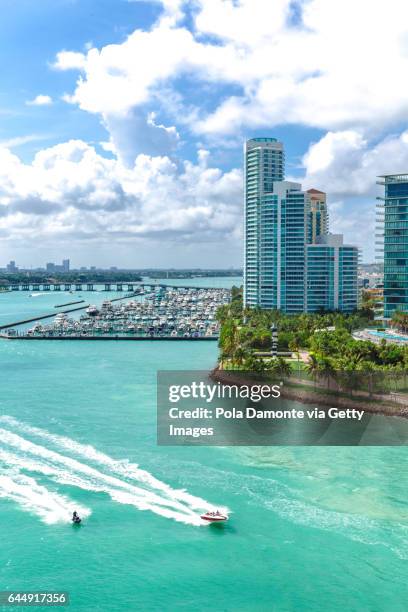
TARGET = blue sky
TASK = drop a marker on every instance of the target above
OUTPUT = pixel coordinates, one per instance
(122, 122)
(31, 34)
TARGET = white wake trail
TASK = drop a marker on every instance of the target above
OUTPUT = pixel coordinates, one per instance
(33, 497)
(124, 468)
(71, 472)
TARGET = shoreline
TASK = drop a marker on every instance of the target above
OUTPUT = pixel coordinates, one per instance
(311, 396)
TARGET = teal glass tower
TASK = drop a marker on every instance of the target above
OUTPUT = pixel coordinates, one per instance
(274, 230)
(264, 165)
(291, 263)
(331, 275)
(395, 219)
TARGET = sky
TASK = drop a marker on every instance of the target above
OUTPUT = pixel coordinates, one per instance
(122, 122)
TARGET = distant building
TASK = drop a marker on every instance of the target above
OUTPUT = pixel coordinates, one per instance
(11, 267)
(331, 275)
(318, 222)
(50, 267)
(395, 241)
(65, 265)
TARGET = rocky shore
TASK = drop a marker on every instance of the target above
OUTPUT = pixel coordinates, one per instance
(291, 390)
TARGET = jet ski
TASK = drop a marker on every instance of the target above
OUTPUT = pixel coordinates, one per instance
(214, 517)
(76, 519)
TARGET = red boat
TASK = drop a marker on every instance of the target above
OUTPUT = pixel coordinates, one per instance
(214, 517)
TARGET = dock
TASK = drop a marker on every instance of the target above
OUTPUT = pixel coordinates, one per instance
(69, 304)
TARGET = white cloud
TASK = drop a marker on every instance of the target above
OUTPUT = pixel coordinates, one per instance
(346, 164)
(69, 60)
(70, 192)
(17, 141)
(140, 132)
(357, 223)
(40, 100)
(340, 68)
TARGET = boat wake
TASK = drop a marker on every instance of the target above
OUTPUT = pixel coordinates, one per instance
(28, 454)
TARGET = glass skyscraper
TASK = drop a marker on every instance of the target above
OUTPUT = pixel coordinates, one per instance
(264, 165)
(283, 269)
(395, 207)
(331, 275)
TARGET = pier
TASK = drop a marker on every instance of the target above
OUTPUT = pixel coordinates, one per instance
(85, 286)
(69, 304)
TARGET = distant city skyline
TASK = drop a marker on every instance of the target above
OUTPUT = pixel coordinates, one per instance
(13, 266)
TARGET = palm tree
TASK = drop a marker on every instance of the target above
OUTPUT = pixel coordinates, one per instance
(253, 364)
(240, 355)
(313, 367)
(326, 368)
(281, 367)
(294, 346)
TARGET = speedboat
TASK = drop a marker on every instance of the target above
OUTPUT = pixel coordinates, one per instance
(214, 517)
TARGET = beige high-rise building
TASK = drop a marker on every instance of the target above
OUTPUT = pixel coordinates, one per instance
(318, 221)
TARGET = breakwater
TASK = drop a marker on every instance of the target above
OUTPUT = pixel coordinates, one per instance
(69, 304)
(39, 318)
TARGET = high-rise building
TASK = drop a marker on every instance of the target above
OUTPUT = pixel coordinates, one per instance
(275, 278)
(11, 267)
(281, 222)
(65, 265)
(331, 275)
(264, 165)
(318, 222)
(395, 242)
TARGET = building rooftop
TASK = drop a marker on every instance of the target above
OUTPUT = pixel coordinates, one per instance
(263, 139)
(394, 178)
(315, 191)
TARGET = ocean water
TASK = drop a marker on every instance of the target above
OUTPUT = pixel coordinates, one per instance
(311, 528)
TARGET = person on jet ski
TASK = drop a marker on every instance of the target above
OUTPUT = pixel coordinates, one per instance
(75, 517)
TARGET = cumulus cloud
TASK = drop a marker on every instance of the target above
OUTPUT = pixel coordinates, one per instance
(140, 132)
(69, 60)
(346, 164)
(69, 190)
(321, 69)
(40, 100)
(215, 68)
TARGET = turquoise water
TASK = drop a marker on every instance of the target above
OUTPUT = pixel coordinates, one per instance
(311, 528)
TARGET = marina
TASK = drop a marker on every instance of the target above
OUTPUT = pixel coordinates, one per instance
(163, 313)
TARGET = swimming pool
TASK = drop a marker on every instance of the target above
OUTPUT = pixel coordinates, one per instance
(387, 335)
